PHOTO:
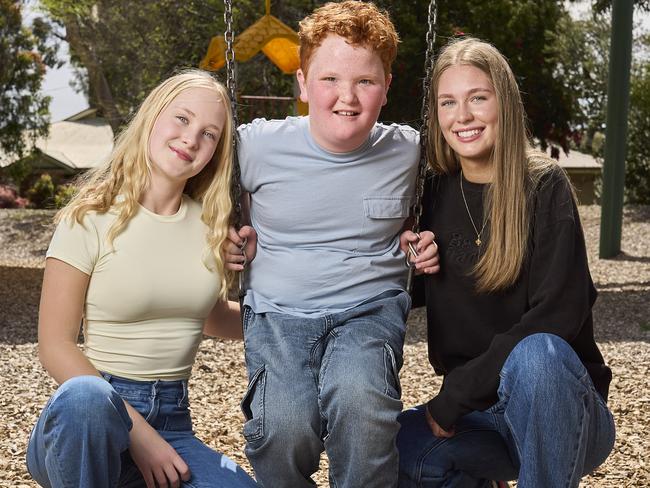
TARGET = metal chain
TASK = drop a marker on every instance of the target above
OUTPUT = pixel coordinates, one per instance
(424, 114)
(231, 75)
(231, 85)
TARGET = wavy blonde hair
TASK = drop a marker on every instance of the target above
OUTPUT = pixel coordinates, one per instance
(127, 172)
(517, 168)
(360, 23)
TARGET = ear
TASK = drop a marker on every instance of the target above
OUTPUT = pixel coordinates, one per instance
(389, 78)
(302, 83)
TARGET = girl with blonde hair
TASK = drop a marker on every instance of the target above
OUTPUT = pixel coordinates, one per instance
(136, 257)
(509, 315)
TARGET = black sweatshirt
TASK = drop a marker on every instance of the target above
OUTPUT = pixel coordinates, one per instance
(470, 335)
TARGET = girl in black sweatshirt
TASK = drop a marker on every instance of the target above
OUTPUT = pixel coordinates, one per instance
(509, 314)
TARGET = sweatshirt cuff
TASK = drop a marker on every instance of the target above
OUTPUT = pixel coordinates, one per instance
(444, 411)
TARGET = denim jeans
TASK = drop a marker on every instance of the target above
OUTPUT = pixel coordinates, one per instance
(328, 383)
(549, 428)
(82, 436)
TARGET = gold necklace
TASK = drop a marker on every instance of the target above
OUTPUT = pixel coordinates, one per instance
(469, 214)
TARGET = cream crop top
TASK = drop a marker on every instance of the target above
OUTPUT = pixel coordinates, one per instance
(148, 295)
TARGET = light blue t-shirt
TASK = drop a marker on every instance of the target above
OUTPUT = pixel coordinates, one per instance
(327, 224)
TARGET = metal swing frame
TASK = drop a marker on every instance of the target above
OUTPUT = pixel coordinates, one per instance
(231, 84)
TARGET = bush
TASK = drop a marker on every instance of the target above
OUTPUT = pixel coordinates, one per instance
(41, 194)
(9, 198)
(63, 195)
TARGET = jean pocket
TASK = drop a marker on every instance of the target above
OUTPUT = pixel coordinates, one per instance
(252, 406)
(393, 387)
(383, 219)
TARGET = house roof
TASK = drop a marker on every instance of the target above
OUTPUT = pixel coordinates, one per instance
(78, 144)
(82, 141)
(578, 160)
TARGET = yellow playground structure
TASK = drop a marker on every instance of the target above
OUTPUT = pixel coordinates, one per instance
(276, 40)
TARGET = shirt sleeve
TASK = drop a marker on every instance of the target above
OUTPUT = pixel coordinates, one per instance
(251, 140)
(560, 297)
(76, 244)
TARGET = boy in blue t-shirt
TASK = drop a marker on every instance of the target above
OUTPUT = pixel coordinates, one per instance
(325, 307)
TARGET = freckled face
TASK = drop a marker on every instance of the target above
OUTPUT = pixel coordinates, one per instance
(345, 87)
(185, 134)
(468, 113)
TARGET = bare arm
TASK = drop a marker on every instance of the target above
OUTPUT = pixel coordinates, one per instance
(224, 321)
(59, 320)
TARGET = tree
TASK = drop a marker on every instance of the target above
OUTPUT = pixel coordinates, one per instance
(580, 52)
(24, 55)
(520, 29)
(637, 167)
(127, 50)
(601, 6)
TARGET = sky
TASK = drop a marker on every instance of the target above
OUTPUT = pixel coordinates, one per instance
(67, 102)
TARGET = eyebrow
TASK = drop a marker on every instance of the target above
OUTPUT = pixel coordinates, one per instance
(471, 92)
(180, 107)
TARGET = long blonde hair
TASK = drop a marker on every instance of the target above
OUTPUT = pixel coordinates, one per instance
(516, 167)
(127, 171)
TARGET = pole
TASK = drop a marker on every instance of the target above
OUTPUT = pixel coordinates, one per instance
(618, 97)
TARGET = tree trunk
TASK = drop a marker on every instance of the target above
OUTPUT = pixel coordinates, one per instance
(99, 90)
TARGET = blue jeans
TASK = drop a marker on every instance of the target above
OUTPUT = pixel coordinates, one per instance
(325, 383)
(82, 435)
(549, 428)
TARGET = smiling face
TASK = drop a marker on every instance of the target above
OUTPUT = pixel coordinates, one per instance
(468, 111)
(185, 135)
(345, 87)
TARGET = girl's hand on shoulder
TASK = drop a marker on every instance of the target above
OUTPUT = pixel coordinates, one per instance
(240, 247)
(159, 463)
(427, 260)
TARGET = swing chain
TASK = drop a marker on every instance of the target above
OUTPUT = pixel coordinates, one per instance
(231, 75)
(424, 114)
(231, 85)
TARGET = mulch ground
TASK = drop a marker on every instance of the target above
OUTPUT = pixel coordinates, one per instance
(622, 328)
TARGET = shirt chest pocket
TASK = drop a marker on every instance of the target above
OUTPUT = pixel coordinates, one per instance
(382, 220)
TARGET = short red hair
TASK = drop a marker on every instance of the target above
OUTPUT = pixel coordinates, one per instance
(360, 23)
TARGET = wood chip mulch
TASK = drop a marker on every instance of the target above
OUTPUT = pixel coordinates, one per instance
(622, 328)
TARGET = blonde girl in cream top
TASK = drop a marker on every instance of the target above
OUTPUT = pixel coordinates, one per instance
(137, 257)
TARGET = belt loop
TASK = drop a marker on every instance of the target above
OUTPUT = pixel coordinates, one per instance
(154, 389)
(106, 376)
(185, 391)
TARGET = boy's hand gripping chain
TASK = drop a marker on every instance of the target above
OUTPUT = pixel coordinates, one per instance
(412, 252)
